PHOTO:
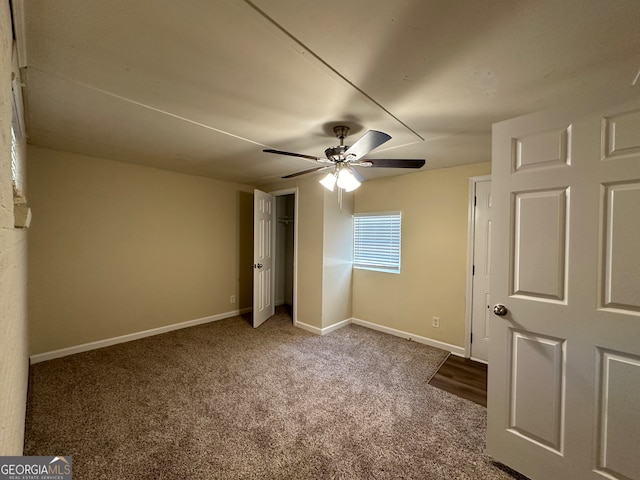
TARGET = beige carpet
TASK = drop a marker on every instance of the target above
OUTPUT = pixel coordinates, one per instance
(225, 401)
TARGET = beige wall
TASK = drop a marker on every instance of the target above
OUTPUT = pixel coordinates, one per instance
(13, 272)
(337, 266)
(432, 282)
(117, 248)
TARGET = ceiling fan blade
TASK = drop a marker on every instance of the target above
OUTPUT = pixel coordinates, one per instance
(306, 171)
(390, 163)
(280, 152)
(370, 140)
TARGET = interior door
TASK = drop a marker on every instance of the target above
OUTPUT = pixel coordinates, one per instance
(564, 376)
(263, 252)
(481, 292)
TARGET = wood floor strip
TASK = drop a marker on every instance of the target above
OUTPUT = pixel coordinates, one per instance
(464, 378)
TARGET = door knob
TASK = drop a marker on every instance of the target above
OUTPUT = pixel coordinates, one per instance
(258, 265)
(500, 310)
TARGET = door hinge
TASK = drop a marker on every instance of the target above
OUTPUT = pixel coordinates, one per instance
(475, 201)
(471, 338)
(473, 270)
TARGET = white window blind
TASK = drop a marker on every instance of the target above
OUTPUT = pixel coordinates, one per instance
(376, 241)
(16, 166)
(18, 140)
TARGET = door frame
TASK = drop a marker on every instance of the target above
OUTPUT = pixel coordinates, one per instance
(471, 232)
(279, 193)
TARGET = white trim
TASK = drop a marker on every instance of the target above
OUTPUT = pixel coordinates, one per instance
(479, 360)
(336, 326)
(19, 30)
(308, 328)
(454, 349)
(63, 352)
(85, 347)
(410, 336)
(325, 330)
(471, 230)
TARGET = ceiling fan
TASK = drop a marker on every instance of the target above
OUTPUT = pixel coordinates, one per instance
(343, 158)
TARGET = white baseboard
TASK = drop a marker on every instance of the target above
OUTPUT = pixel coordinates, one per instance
(308, 328)
(454, 349)
(63, 352)
(336, 326)
(479, 360)
(325, 330)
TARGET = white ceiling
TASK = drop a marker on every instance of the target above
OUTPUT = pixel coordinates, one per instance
(202, 86)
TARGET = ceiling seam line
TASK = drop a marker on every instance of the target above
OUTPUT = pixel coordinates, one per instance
(635, 80)
(326, 64)
(144, 105)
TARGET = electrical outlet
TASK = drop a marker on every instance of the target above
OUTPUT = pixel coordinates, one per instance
(232, 299)
(436, 322)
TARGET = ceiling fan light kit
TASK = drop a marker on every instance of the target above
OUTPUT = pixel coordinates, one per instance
(346, 180)
(329, 182)
(344, 158)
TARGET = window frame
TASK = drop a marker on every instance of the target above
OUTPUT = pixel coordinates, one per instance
(18, 142)
(390, 263)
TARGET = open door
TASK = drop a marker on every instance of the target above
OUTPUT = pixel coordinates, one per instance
(564, 375)
(263, 249)
(480, 293)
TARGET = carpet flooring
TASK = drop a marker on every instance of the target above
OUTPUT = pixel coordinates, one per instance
(225, 401)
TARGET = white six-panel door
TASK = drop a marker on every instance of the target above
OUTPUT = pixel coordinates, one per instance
(263, 252)
(564, 376)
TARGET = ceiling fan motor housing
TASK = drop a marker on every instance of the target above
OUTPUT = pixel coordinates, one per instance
(336, 154)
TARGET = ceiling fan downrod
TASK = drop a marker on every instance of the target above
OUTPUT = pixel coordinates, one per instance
(336, 154)
(341, 132)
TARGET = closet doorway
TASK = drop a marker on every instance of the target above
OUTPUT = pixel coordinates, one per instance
(286, 251)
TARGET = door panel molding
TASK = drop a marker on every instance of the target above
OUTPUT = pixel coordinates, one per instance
(551, 148)
(621, 135)
(537, 389)
(619, 275)
(540, 243)
(618, 393)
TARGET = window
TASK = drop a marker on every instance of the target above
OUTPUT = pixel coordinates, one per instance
(17, 143)
(21, 211)
(16, 166)
(376, 241)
